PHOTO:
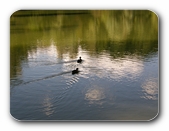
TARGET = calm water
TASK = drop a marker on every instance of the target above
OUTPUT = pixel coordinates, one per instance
(118, 78)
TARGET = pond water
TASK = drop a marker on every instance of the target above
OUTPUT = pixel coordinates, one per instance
(118, 78)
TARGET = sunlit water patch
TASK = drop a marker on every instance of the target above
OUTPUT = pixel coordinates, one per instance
(106, 67)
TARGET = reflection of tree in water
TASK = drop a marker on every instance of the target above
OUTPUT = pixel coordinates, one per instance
(117, 32)
(48, 106)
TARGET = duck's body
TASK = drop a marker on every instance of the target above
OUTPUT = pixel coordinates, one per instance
(75, 71)
(79, 60)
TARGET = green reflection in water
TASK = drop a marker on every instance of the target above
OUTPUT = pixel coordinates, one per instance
(119, 32)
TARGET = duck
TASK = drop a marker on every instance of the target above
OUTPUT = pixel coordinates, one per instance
(79, 60)
(75, 71)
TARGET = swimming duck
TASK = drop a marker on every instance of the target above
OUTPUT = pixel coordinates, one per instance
(79, 60)
(75, 71)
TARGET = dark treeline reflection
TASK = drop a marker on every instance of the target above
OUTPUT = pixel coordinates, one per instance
(120, 33)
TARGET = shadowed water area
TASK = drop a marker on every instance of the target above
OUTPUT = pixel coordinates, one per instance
(118, 75)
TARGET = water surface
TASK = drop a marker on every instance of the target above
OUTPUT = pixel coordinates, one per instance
(118, 78)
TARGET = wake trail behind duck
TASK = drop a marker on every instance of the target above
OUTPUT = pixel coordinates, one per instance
(47, 77)
(53, 63)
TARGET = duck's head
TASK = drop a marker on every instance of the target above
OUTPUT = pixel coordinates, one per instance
(76, 69)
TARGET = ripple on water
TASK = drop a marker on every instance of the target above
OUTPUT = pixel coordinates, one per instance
(95, 95)
(71, 81)
(150, 89)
